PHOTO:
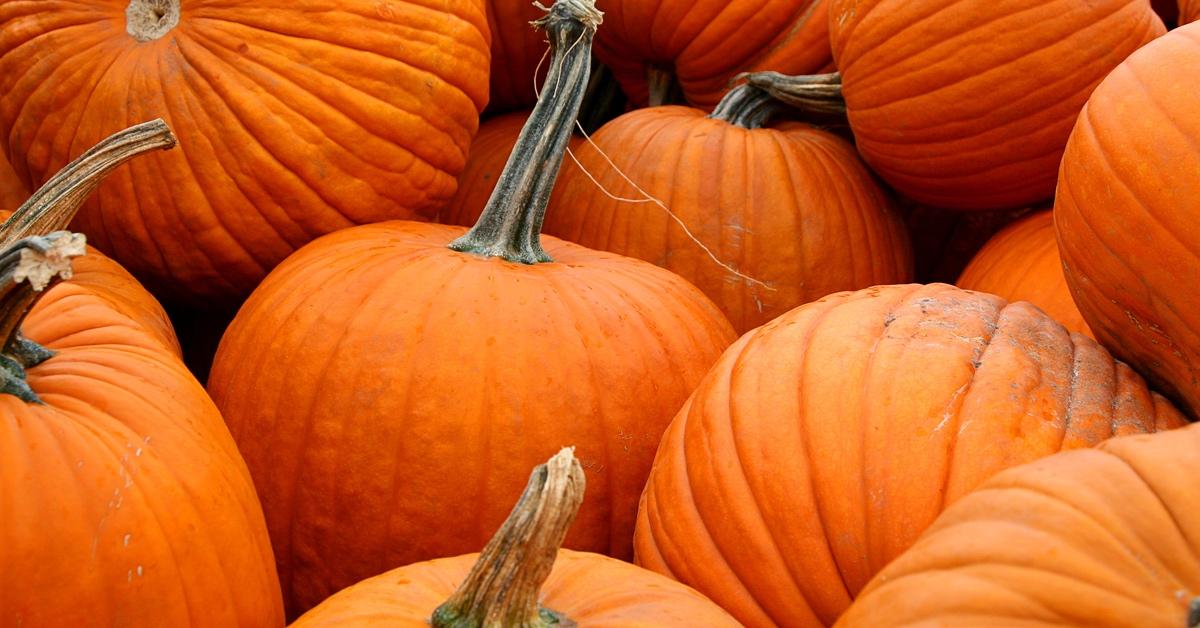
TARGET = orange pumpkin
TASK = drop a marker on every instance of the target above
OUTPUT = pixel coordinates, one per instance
(125, 499)
(374, 124)
(1125, 215)
(12, 191)
(1021, 263)
(791, 208)
(1189, 11)
(407, 380)
(823, 443)
(968, 103)
(1104, 537)
(701, 45)
(522, 578)
(517, 51)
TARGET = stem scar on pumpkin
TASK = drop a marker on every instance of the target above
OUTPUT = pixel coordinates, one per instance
(27, 268)
(148, 20)
(504, 584)
(511, 224)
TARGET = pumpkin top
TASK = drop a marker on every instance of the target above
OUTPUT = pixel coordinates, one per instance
(511, 224)
(148, 20)
(766, 94)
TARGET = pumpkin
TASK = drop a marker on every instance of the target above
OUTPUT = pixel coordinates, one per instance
(1125, 215)
(517, 51)
(697, 47)
(788, 212)
(406, 376)
(12, 191)
(1021, 263)
(125, 499)
(522, 578)
(373, 125)
(1104, 537)
(1189, 11)
(823, 443)
(967, 104)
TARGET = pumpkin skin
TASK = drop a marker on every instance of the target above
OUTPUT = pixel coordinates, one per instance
(379, 375)
(272, 152)
(1103, 537)
(126, 502)
(970, 107)
(517, 50)
(793, 207)
(1189, 11)
(823, 443)
(708, 42)
(12, 191)
(590, 589)
(1021, 263)
(1124, 215)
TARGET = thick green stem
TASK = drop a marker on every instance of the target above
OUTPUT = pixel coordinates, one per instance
(511, 224)
(55, 204)
(747, 106)
(27, 268)
(1193, 620)
(504, 585)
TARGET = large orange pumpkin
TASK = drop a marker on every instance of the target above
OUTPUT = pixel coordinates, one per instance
(522, 578)
(1021, 263)
(294, 118)
(968, 103)
(703, 44)
(823, 443)
(125, 499)
(789, 207)
(406, 380)
(1125, 214)
(517, 51)
(1106, 538)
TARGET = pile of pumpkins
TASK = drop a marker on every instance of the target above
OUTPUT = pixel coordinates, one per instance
(732, 332)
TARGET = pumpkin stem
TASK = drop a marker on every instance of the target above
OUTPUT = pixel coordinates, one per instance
(663, 86)
(511, 224)
(148, 20)
(766, 94)
(504, 585)
(27, 268)
(55, 204)
(1194, 614)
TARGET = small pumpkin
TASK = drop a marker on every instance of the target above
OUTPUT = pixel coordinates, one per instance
(967, 104)
(125, 499)
(788, 211)
(1021, 263)
(407, 375)
(699, 46)
(1125, 215)
(822, 444)
(295, 119)
(522, 578)
(1104, 537)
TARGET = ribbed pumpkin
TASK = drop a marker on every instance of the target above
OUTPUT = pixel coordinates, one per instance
(790, 206)
(393, 376)
(126, 502)
(517, 50)
(522, 578)
(968, 103)
(1021, 263)
(294, 118)
(1108, 538)
(1125, 214)
(822, 444)
(701, 45)
(1189, 11)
